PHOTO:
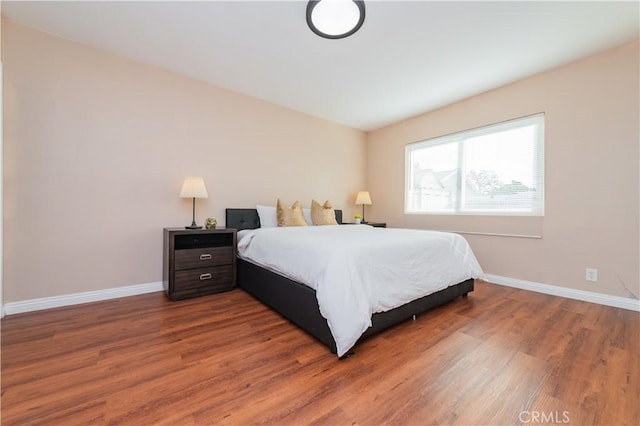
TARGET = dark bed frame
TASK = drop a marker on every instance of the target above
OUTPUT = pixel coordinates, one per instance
(298, 303)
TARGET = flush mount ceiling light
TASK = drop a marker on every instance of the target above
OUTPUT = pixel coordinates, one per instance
(335, 18)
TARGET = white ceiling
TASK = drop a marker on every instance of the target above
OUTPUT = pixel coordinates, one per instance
(409, 57)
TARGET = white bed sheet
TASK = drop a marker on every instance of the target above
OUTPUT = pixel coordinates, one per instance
(358, 270)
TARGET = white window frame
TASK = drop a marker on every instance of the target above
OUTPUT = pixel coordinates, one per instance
(537, 207)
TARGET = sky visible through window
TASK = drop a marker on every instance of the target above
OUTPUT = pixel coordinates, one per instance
(509, 154)
(498, 152)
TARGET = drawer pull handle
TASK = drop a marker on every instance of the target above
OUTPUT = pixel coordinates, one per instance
(205, 256)
(206, 276)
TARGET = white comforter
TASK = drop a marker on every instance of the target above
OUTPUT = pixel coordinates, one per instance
(358, 270)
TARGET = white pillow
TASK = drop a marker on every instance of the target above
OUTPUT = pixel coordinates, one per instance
(307, 215)
(268, 216)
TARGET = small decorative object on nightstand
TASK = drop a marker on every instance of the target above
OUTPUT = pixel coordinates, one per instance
(357, 219)
(198, 262)
(210, 223)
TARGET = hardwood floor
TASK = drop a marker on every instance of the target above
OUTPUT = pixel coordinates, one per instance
(500, 356)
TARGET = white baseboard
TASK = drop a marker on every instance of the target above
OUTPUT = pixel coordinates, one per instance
(77, 298)
(586, 296)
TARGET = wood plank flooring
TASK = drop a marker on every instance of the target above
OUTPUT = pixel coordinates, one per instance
(500, 356)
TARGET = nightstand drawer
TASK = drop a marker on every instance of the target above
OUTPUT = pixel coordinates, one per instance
(203, 257)
(203, 278)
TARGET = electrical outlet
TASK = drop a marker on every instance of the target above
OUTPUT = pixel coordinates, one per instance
(591, 275)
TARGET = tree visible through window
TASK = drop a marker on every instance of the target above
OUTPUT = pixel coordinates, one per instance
(497, 169)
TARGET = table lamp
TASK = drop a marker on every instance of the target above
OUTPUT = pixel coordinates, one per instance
(365, 199)
(193, 187)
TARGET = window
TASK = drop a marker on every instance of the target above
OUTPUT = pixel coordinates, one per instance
(492, 170)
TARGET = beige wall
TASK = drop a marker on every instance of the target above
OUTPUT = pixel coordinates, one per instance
(591, 172)
(96, 148)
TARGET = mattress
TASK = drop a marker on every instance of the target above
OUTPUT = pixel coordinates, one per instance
(359, 270)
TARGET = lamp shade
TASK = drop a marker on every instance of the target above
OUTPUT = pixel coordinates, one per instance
(193, 187)
(363, 198)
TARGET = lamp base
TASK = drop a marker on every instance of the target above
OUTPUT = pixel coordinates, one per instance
(193, 227)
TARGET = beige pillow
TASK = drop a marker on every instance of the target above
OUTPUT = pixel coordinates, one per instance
(290, 216)
(322, 214)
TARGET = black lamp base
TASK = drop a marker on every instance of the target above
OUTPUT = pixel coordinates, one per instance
(193, 221)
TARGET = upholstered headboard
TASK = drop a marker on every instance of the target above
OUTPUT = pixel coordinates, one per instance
(248, 218)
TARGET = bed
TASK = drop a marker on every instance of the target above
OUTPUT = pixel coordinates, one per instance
(306, 306)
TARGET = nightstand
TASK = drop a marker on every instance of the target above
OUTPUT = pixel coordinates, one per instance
(198, 262)
(374, 224)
